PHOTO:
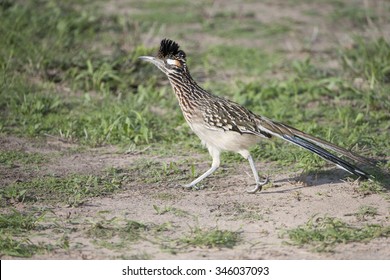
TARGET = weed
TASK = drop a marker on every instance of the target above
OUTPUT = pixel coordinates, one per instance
(13, 157)
(109, 228)
(251, 61)
(37, 53)
(138, 256)
(353, 14)
(102, 229)
(152, 172)
(366, 211)
(369, 60)
(165, 196)
(17, 222)
(324, 233)
(169, 209)
(14, 229)
(242, 25)
(132, 229)
(167, 226)
(371, 187)
(113, 235)
(241, 211)
(64, 242)
(23, 248)
(155, 11)
(211, 238)
(72, 190)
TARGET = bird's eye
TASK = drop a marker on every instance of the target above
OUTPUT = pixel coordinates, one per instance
(174, 62)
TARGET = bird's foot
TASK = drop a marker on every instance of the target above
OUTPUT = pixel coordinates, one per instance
(190, 186)
(259, 186)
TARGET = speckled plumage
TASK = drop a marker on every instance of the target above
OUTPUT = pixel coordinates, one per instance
(225, 125)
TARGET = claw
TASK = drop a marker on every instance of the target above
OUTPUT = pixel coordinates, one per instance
(258, 186)
(189, 186)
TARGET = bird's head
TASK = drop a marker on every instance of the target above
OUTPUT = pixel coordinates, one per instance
(169, 58)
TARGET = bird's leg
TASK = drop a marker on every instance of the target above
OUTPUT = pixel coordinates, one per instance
(259, 184)
(216, 162)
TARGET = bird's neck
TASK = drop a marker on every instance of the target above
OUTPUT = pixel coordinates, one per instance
(185, 88)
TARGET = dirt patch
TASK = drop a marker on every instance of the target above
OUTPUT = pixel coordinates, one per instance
(171, 213)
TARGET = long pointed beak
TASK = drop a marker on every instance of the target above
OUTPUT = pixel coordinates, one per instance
(156, 61)
(147, 58)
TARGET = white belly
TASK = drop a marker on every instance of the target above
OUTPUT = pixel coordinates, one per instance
(225, 140)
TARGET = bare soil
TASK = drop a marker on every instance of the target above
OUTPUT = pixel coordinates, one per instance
(223, 203)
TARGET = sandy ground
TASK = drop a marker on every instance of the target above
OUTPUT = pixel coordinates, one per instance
(260, 219)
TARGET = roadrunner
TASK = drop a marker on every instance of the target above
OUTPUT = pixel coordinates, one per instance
(223, 125)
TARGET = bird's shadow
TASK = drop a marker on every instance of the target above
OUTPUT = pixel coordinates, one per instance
(303, 180)
(311, 179)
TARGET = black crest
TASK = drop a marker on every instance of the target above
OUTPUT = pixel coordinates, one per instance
(169, 48)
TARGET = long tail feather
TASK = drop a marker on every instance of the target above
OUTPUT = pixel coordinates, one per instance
(316, 145)
(330, 146)
(326, 155)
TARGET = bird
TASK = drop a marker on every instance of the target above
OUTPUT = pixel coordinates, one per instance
(223, 125)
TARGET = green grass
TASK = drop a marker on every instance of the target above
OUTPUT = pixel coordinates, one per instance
(241, 211)
(370, 62)
(22, 248)
(87, 120)
(322, 234)
(211, 238)
(41, 60)
(353, 13)
(72, 190)
(176, 16)
(95, 98)
(109, 97)
(149, 171)
(108, 229)
(170, 209)
(324, 104)
(366, 211)
(246, 61)
(14, 157)
(17, 222)
(166, 196)
(243, 26)
(14, 231)
(380, 185)
(116, 235)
